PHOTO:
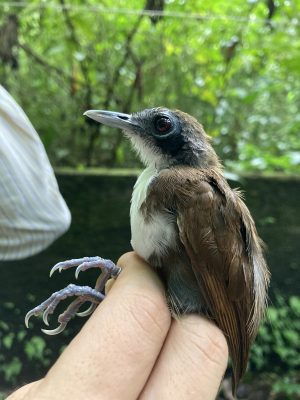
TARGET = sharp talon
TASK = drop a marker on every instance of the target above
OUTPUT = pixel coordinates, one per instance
(55, 331)
(77, 272)
(45, 316)
(87, 312)
(27, 318)
(53, 269)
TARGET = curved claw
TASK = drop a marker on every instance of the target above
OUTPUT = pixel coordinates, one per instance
(45, 316)
(27, 318)
(55, 331)
(88, 311)
(55, 268)
(77, 272)
(86, 265)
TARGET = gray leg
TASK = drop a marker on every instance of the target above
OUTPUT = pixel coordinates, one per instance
(85, 263)
(84, 293)
(100, 285)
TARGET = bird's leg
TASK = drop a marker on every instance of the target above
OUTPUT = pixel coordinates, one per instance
(84, 293)
(85, 263)
(100, 284)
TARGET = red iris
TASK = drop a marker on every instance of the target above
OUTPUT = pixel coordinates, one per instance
(163, 124)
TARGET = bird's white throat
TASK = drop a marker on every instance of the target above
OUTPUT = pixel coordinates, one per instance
(148, 154)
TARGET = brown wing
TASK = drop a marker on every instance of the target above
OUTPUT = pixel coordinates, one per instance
(221, 241)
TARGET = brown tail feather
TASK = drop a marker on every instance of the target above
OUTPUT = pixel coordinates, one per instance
(231, 318)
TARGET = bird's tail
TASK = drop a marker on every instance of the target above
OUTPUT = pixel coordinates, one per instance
(232, 318)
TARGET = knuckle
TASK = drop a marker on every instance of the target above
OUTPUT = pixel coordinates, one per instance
(150, 314)
(210, 344)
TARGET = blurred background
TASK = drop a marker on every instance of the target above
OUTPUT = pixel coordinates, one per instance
(235, 66)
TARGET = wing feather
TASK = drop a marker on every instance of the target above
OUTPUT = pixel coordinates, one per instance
(220, 239)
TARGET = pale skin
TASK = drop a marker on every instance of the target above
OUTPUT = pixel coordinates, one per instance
(130, 348)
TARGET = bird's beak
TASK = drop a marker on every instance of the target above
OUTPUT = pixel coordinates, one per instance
(111, 118)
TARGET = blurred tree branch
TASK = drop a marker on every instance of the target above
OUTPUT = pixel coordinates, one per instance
(110, 92)
(137, 86)
(76, 42)
(62, 74)
(9, 41)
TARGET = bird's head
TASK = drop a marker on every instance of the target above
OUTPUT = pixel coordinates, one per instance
(162, 137)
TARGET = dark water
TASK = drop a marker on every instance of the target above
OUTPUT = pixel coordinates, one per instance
(100, 226)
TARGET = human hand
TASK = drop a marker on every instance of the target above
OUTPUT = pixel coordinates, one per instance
(130, 348)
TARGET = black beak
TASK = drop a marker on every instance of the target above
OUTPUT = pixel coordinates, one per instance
(111, 118)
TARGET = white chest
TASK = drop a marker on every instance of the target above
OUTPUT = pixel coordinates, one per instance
(157, 235)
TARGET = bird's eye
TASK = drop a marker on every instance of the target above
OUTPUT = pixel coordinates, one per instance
(163, 124)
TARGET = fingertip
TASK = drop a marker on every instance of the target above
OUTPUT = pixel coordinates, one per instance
(23, 392)
(129, 258)
(205, 339)
(136, 272)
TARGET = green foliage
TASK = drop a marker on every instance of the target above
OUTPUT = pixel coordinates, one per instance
(12, 369)
(34, 349)
(18, 350)
(278, 343)
(276, 351)
(289, 386)
(236, 68)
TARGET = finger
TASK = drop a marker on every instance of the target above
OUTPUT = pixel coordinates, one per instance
(191, 364)
(23, 391)
(115, 351)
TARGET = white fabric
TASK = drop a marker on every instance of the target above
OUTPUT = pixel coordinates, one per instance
(32, 211)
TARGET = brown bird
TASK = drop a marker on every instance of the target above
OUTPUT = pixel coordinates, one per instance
(190, 226)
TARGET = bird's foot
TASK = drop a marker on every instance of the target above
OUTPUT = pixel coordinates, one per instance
(85, 263)
(84, 293)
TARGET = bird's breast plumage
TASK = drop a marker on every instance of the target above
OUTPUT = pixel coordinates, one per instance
(154, 235)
